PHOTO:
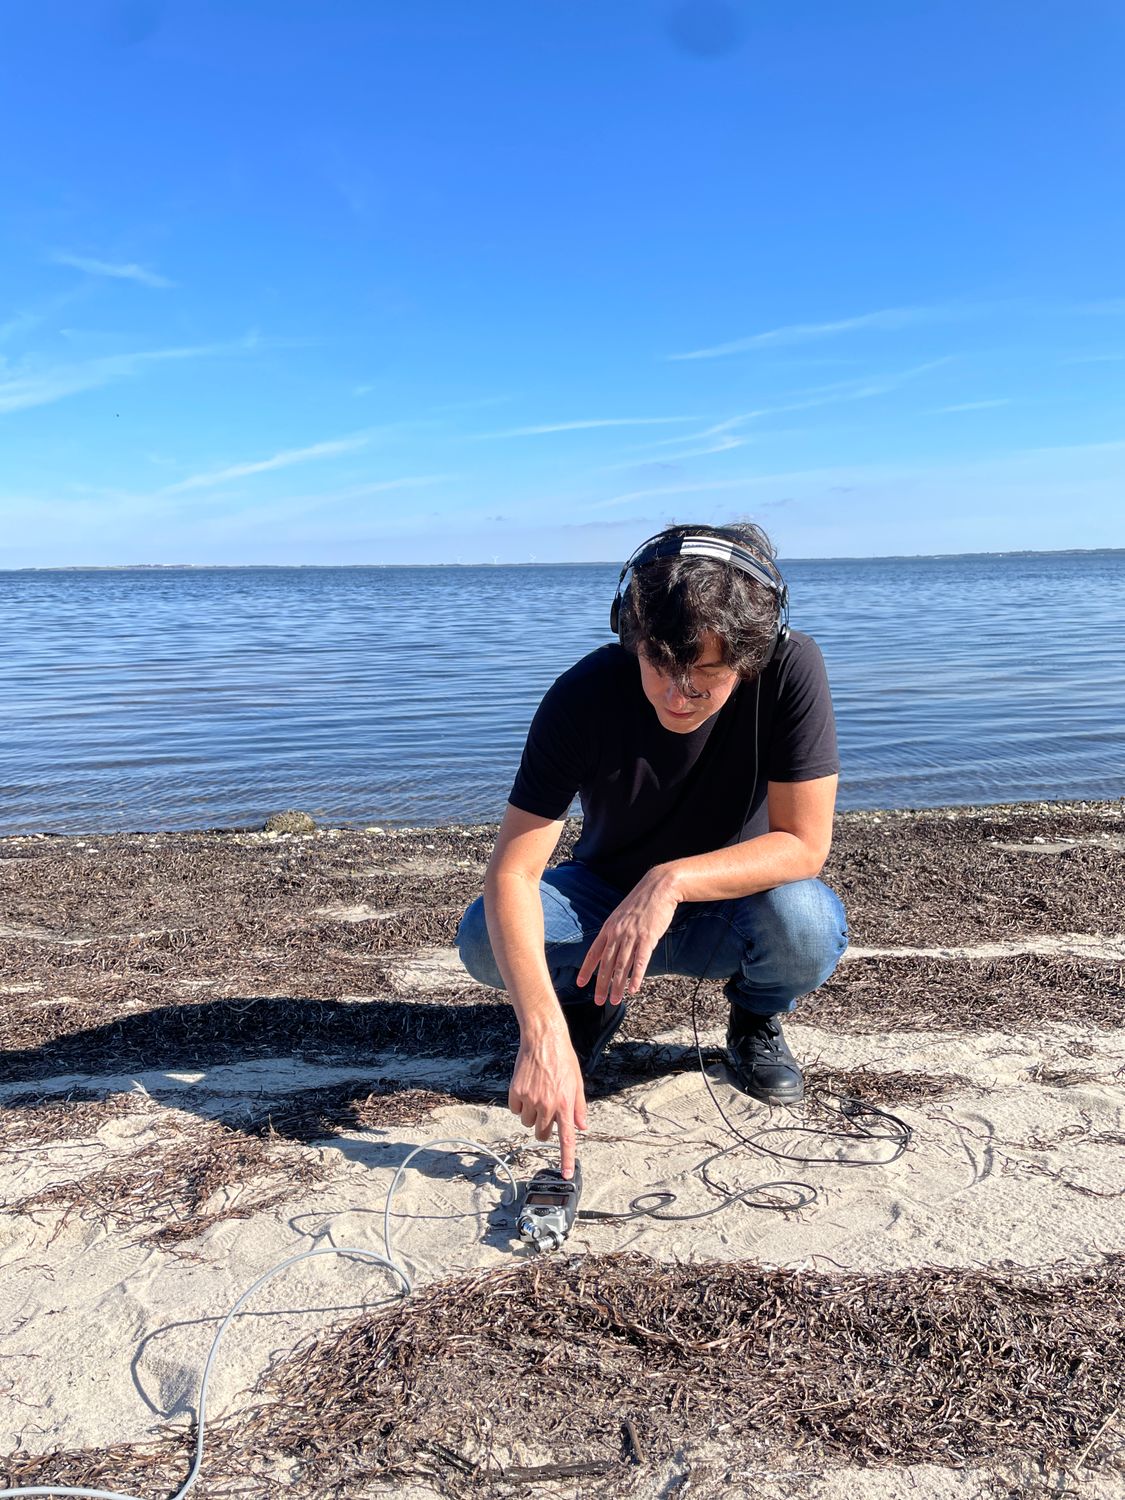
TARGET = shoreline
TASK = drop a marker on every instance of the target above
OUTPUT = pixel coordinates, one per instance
(1109, 808)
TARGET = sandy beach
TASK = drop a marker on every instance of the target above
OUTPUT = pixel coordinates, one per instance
(219, 1047)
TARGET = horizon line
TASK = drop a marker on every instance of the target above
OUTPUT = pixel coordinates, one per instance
(538, 562)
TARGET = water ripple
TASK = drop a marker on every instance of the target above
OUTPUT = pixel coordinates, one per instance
(180, 699)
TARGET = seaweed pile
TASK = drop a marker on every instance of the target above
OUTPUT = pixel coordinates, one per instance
(601, 1364)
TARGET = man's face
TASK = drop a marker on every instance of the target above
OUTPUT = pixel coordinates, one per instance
(711, 685)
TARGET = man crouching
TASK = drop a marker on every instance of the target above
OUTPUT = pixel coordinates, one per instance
(703, 748)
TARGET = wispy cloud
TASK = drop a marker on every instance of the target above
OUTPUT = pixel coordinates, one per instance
(939, 411)
(25, 319)
(1053, 463)
(1094, 359)
(283, 460)
(116, 270)
(340, 506)
(886, 319)
(42, 386)
(721, 437)
(719, 430)
(405, 482)
(863, 387)
(19, 323)
(720, 445)
(724, 442)
(858, 388)
(584, 425)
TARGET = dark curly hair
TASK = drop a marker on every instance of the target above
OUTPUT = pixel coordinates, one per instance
(672, 602)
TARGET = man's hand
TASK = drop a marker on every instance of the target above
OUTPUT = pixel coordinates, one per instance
(547, 1090)
(621, 951)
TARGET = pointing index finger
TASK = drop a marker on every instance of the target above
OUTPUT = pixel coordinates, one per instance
(566, 1145)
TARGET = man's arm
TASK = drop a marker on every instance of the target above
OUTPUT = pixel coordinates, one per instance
(795, 848)
(546, 1088)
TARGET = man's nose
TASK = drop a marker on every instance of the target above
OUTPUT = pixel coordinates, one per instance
(677, 700)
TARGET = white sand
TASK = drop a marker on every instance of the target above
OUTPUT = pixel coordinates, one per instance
(104, 1337)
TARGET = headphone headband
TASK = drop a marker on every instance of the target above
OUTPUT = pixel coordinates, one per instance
(719, 549)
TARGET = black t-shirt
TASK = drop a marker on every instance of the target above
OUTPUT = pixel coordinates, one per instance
(650, 795)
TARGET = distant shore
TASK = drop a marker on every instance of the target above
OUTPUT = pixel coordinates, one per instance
(542, 563)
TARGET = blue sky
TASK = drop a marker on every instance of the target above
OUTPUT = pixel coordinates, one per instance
(386, 282)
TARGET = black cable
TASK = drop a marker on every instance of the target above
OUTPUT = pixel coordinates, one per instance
(848, 1108)
(806, 1196)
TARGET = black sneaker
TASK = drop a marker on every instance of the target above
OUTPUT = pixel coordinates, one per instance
(591, 1028)
(760, 1058)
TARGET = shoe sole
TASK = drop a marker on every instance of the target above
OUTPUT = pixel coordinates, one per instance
(762, 1095)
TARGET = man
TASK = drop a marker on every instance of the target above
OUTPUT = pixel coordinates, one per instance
(703, 749)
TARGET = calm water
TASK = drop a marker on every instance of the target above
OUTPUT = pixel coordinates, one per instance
(143, 700)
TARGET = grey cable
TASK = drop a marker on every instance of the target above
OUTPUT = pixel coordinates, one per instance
(387, 1259)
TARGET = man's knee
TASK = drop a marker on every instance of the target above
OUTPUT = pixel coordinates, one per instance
(475, 947)
(807, 932)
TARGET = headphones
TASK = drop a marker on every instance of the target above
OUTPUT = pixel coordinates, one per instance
(719, 549)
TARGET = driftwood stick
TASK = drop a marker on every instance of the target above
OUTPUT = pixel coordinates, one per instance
(562, 1471)
(639, 1454)
(1102, 1430)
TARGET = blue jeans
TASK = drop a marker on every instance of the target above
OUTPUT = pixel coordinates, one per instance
(771, 948)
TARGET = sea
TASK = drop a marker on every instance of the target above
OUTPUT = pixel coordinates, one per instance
(142, 699)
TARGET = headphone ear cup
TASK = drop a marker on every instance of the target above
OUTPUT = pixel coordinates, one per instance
(615, 614)
(780, 630)
(770, 654)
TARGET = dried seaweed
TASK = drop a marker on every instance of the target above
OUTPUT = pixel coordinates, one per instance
(183, 887)
(165, 1190)
(1064, 1078)
(214, 1032)
(166, 1187)
(887, 1087)
(31, 1120)
(905, 878)
(869, 995)
(108, 930)
(939, 994)
(193, 901)
(320, 1113)
(497, 1372)
(911, 993)
(883, 1368)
